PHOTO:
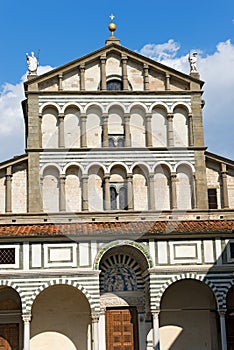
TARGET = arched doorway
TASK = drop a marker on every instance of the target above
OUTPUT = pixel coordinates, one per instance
(124, 297)
(230, 319)
(10, 319)
(60, 320)
(188, 317)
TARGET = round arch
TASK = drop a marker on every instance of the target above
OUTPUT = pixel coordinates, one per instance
(161, 105)
(190, 276)
(139, 247)
(71, 105)
(50, 165)
(137, 104)
(116, 104)
(49, 105)
(116, 164)
(181, 105)
(75, 284)
(189, 165)
(73, 164)
(94, 105)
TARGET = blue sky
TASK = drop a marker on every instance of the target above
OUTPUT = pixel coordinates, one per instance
(65, 30)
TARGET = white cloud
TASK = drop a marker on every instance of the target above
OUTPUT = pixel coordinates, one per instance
(11, 117)
(218, 73)
(160, 52)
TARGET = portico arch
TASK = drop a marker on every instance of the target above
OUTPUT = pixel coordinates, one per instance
(188, 317)
(61, 319)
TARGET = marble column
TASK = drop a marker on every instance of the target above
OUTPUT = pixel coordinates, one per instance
(83, 136)
(130, 191)
(173, 191)
(103, 73)
(151, 185)
(8, 190)
(106, 189)
(148, 133)
(85, 204)
(127, 134)
(62, 194)
(170, 132)
(95, 331)
(190, 130)
(156, 344)
(60, 82)
(82, 77)
(124, 72)
(224, 186)
(146, 76)
(223, 329)
(26, 320)
(105, 142)
(167, 82)
(61, 131)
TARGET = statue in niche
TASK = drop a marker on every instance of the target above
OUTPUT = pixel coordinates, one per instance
(193, 62)
(32, 63)
(119, 279)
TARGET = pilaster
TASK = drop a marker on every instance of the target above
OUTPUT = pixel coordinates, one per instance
(103, 72)
(124, 60)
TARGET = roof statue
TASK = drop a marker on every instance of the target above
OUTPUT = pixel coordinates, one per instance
(193, 62)
(32, 63)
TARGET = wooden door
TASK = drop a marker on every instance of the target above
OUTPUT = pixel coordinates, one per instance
(121, 329)
(9, 336)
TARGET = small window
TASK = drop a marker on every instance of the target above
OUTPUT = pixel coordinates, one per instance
(114, 84)
(7, 256)
(113, 195)
(212, 198)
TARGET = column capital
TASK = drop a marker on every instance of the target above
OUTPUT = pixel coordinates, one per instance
(82, 67)
(105, 116)
(168, 75)
(151, 176)
(84, 177)
(26, 317)
(9, 171)
(155, 314)
(62, 177)
(103, 58)
(222, 312)
(173, 175)
(148, 116)
(83, 115)
(170, 115)
(145, 66)
(129, 176)
(190, 115)
(124, 57)
(127, 115)
(223, 167)
(106, 176)
(61, 116)
(95, 317)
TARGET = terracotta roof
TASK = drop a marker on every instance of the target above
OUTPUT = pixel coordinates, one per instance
(120, 228)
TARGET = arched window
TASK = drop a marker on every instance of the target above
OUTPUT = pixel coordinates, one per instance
(114, 84)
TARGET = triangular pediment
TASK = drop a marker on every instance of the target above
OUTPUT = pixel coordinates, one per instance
(85, 73)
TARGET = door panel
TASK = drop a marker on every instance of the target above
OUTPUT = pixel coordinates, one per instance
(9, 336)
(121, 329)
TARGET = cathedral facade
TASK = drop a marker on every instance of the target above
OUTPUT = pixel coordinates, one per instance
(116, 225)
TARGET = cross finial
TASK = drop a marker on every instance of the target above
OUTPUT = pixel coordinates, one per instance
(112, 17)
